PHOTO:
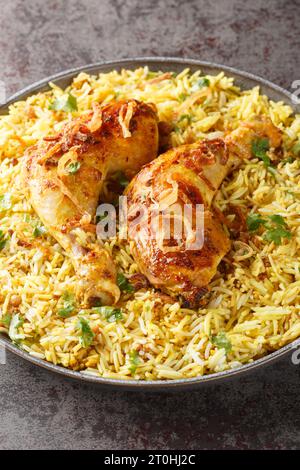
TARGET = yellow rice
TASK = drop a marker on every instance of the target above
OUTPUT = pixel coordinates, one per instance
(256, 304)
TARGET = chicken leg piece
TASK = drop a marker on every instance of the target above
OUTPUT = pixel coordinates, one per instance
(189, 174)
(64, 176)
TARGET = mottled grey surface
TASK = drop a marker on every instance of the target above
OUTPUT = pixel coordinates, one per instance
(41, 410)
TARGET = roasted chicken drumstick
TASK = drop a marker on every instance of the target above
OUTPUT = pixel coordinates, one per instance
(64, 176)
(189, 174)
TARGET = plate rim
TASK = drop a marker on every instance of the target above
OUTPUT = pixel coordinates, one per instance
(132, 384)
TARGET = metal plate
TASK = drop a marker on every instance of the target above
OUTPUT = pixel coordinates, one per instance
(245, 81)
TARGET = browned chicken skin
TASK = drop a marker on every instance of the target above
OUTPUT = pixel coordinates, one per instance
(189, 174)
(64, 176)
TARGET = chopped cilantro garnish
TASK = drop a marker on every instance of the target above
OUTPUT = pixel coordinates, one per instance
(27, 218)
(6, 320)
(182, 97)
(277, 219)
(259, 150)
(87, 335)
(65, 311)
(67, 103)
(260, 147)
(203, 82)
(3, 240)
(221, 341)
(111, 314)
(151, 75)
(15, 323)
(288, 160)
(39, 230)
(134, 361)
(73, 168)
(68, 305)
(254, 221)
(5, 202)
(275, 225)
(296, 149)
(124, 284)
(185, 117)
(276, 234)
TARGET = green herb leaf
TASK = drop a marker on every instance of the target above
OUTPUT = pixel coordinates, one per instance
(5, 202)
(203, 82)
(87, 335)
(221, 341)
(260, 147)
(134, 361)
(69, 305)
(276, 234)
(275, 225)
(111, 314)
(186, 117)
(39, 230)
(254, 221)
(65, 311)
(6, 320)
(288, 160)
(15, 323)
(73, 168)
(67, 103)
(151, 75)
(296, 148)
(182, 97)
(124, 284)
(277, 220)
(259, 150)
(3, 240)
(271, 170)
(278, 231)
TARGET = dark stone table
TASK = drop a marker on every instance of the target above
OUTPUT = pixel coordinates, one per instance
(41, 410)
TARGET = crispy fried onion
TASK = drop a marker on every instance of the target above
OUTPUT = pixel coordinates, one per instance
(125, 116)
(192, 99)
(64, 190)
(96, 121)
(50, 153)
(169, 213)
(69, 133)
(242, 250)
(84, 223)
(180, 221)
(169, 195)
(164, 76)
(68, 158)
